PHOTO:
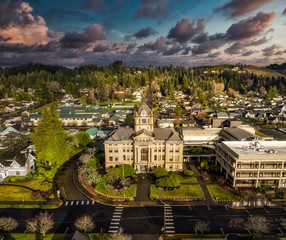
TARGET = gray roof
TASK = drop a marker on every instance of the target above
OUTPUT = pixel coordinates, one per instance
(144, 106)
(35, 115)
(166, 134)
(76, 236)
(238, 134)
(64, 115)
(121, 133)
(5, 159)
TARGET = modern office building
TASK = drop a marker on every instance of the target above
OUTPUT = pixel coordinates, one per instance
(253, 164)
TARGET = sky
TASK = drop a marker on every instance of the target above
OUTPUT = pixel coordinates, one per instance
(142, 32)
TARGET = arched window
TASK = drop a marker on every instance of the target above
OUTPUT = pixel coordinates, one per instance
(144, 154)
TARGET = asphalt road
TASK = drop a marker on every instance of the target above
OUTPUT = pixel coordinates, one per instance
(149, 220)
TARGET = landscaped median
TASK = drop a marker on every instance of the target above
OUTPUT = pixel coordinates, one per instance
(29, 236)
(128, 194)
(184, 192)
(219, 194)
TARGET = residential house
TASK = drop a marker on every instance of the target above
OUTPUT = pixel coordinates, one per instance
(16, 164)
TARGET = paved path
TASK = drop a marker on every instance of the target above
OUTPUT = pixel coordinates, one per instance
(143, 185)
(199, 177)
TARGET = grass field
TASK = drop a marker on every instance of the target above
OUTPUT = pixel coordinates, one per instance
(185, 191)
(104, 191)
(218, 193)
(11, 193)
(185, 179)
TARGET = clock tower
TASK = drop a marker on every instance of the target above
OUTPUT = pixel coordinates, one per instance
(144, 118)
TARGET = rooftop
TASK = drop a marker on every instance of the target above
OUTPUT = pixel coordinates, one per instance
(254, 148)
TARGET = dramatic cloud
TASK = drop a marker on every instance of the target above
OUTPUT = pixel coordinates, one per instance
(206, 43)
(280, 52)
(238, 8)
(3, 39)
(159, 45)
(248, 53)
(100, 48)
(156, 9)
(78, 40)
(214, 55)
(257, 42)
(173, 50)
(250, 27)
(269, 51)
(235, 48)
(142, 33)
(92, 4)
(18, 25)
(52, 46)
(186, 30)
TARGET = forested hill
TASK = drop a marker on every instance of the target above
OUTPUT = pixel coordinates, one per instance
(280, 68)
(105, 82)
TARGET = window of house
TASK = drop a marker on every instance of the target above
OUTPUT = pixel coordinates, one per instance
(171, 158)
(17, 173)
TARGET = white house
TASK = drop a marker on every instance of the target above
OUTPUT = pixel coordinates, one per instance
(16, 164)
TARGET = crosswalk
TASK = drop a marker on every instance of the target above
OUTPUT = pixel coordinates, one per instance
(114, 225)
(78, 203)
(169, 221)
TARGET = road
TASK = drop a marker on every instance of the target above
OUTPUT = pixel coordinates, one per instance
(150, 220)
(277, 135)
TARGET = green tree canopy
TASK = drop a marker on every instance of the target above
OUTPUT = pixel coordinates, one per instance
(160, 172)
(83, 138)
(128, 170)
(129, 119)
(50, 139)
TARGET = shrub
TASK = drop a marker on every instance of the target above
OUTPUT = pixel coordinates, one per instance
(160, 172)
(20, 179)
(168, 182)
(12, 179)
(50, 173)
(41, 170)
(29, 176)
(188, 173)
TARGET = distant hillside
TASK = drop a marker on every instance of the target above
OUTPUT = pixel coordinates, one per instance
(279, 68)
(264, 71)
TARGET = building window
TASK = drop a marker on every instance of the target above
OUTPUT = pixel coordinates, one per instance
(124, 157)
(171, 159)
(116, 159)
(124, 149)
(155, 157)
(171, 150)
(177, 149)
(116, 150)
(110, 159)
(177, 158)
(144, 154)
(110, 150)
(163, 157)
(143, 120)
(17, 173)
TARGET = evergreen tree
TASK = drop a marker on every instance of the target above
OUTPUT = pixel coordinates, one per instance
(50, 139)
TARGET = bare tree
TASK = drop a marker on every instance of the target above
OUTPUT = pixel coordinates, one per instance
(202, 226)
(41, 223)
(119, 236)
(85, 158)
(8, 224)
(257, 224)
(84, 223)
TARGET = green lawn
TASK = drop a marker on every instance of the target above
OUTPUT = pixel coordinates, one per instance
(104, 191)
(42, 184)
(185, 191)
(185, 179)
(11, 193)
(218, 193)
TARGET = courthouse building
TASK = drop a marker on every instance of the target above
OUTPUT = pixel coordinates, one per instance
(144, 147)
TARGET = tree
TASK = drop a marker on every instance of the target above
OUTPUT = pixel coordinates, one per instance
(41, 223)
(257, 224)
(83, 138)
(202, 226)
(119, 236)
(129, 119)
(127, 169)
(55, 87)
(8, 224)
(189, 173)
(160, 172)
(15, 142)
(85, 158)
(84, 223)
(172, 181)
(50, 139)
(113, 175)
